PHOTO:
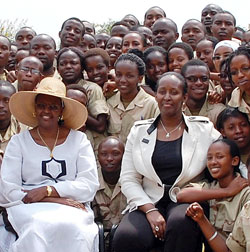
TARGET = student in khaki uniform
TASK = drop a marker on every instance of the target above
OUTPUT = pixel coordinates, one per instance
(5, 52)
(239, 239)
(239, 74)
(109, 201)
(79, 93)
(70, 67)
(196, 73)
(226, 193)
(8, 124)
(130, 103)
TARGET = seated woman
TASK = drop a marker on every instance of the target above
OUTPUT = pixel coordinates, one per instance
(161, 156)
(225, 191)
(49, 175)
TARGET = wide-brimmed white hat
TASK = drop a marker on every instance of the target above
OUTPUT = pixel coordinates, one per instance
(22, 104)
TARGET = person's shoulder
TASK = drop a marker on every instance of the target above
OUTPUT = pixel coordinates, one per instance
(144, 122)
(199, 119)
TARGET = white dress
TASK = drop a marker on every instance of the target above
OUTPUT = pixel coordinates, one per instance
(50, 227)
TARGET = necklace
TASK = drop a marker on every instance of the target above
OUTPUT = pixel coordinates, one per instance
(51, 150)
(168, 133)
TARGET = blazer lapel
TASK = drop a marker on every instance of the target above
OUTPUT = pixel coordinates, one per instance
(147, 146)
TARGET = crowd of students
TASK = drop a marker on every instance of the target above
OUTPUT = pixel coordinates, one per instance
(125, 78)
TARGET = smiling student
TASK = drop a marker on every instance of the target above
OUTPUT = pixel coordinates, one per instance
(196, 73)
(131, 103)
(226, 193)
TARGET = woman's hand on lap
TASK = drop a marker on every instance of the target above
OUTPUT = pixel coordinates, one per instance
(35, 195)
(155, 220)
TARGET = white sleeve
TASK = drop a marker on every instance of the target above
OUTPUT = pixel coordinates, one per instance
(84, 187)
(130, 178)
(11, 175)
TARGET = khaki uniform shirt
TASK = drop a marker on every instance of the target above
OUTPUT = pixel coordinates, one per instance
(13, 129)
(223, 212)
(122, 119)
(3, 76)
(96, 105)
(108, 204)
(209, 110)
(239, 239)
(237, 101)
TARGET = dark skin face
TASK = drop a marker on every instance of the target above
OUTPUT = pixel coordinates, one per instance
(89, 28)
(69, 67)
(101, 40)
(197, 89)
(170, 96)
(119, 31)
(114, 49)
(48, 109)
(4, 52)
(237, 129)
(130, 20)
(110, 154)
(220, 163)
(12, 58)
(207, 15)
(132, 41)
(87, 43)
(5, 115)
(44, 49)
(71, 33)
(177, 58)
(97, 70)
(192, 33)
(29, 73)
(156, 65)
(164, 33)
(23, 38)
(223, 26)
(204, 52)
(152, 15)
(127, 79)
(240, 72)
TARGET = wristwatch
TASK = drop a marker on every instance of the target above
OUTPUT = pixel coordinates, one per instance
(49, 191)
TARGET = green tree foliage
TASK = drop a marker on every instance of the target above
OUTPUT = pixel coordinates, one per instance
(9, 28)
(105, 27)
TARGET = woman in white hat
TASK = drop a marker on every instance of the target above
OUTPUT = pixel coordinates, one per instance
(49, 175)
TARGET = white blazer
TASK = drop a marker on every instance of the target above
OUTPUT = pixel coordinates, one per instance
(139, 181)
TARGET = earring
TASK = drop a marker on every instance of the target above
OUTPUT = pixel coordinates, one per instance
(34, 114)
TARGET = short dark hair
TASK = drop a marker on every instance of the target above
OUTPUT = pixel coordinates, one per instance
(179, 76)
(242, 50)
(155, 7)
(75, 19)
(212, 39)
(77, 87)
(133, 58)
(96, 52)
(7, 40)
(186, 47)
(225, 12)
(193, 62)
(4, 83)
(72, 49)
(43, 34)
(227, 113)
(154, 49)
(144, 41)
